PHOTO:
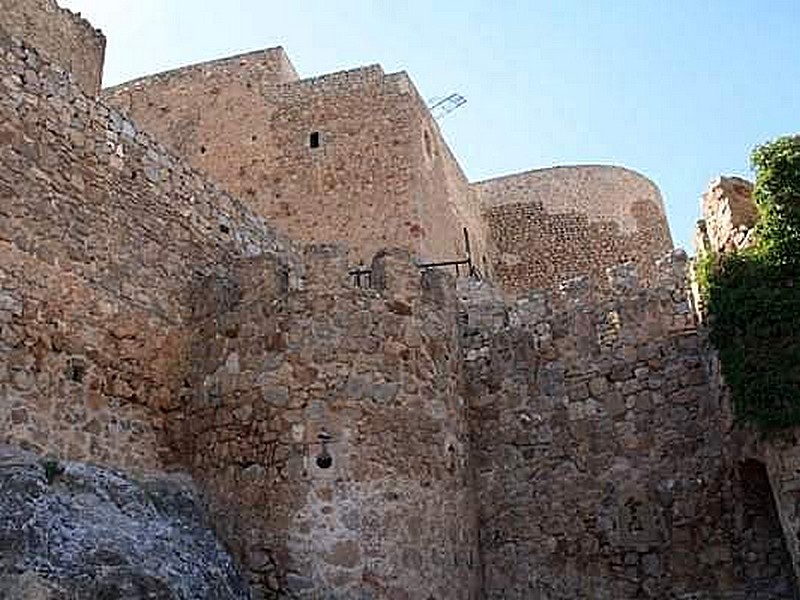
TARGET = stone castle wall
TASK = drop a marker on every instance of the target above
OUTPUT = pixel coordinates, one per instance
(114, 252)
(103, 236)
(553, 224)
(360, 179)
(381, 176)
(377, 369)
(445, 201)
(602, 463)
(212, 114)
(561, 447)
(63, 36)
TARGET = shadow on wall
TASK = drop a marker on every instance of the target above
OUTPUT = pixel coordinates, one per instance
(762, 541)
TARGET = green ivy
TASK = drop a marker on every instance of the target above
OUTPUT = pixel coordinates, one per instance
(753, 296)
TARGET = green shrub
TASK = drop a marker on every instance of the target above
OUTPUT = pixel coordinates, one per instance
(753, 296)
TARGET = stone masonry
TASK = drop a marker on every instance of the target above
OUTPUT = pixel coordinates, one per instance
(380, 174)
(601, 457)
(553, 224)
(355, 156)
(393, 515)
(96, 267)
(729, 214)
(419, 437)
(61, 34)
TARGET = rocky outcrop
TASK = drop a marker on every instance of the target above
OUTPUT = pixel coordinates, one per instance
(78, 532)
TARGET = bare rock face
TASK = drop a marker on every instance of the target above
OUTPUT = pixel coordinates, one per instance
(77, 532)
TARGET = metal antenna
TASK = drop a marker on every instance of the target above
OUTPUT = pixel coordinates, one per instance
(441, 107)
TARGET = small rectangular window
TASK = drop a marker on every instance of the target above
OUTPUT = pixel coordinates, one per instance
(313, 139)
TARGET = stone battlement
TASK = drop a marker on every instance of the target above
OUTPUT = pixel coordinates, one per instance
(345, 80)
(669, 295)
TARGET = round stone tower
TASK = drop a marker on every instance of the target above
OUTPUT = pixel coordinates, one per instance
(553, 224)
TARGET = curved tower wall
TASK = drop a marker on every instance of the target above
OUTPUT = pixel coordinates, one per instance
(61, 35)
(393, 515)
(553, 224)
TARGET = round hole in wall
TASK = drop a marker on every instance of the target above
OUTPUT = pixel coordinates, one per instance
(324, 459)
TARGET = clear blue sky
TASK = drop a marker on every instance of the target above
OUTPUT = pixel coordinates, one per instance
(680, 90)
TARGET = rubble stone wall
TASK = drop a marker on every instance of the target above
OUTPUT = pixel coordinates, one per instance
(377, 369)
(602, 459)
(553, 224)
(103, 236)
(63, 36)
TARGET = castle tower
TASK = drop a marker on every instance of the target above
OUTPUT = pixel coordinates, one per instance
(353, 156)
(552, 224)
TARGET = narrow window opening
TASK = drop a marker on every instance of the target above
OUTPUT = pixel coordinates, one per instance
(76, 370)
(428, 145)
(202, 149)
(313, 139)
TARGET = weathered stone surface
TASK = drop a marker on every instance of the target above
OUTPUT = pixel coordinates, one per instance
(72, 531)
(96, 280)
(402, 439)
(603, 463)
(549, 225)
(381, 174)
(729, 213)
(62, 35)
(392, 514)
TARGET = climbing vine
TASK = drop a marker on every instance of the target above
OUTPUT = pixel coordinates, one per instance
(753, 296)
